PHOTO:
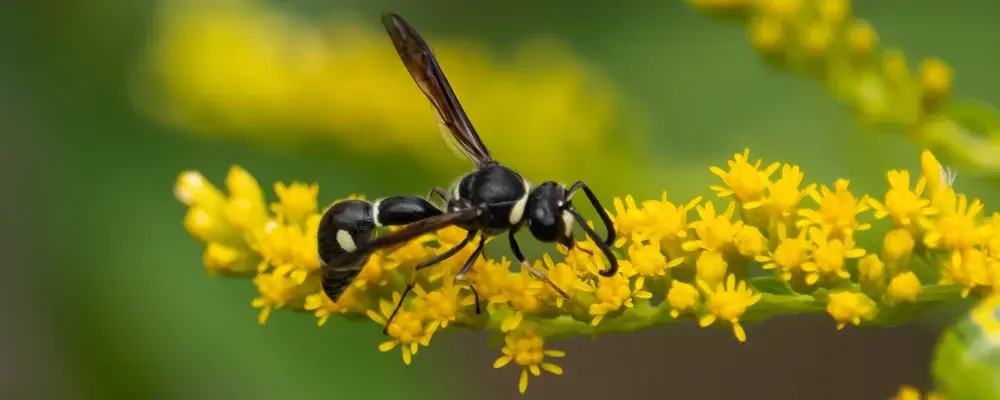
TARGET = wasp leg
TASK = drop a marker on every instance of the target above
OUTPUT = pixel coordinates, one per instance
(534, 271)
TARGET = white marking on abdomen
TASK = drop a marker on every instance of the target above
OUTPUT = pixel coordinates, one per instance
(346, 241)
(375, 213)
(568, 223)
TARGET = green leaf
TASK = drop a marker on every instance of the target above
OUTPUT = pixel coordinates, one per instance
(967, 361)
(771, 284)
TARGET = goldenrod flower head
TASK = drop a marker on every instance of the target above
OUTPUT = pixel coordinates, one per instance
(904, 288)
(203, 225)
(628, 218)
(683, 298)
(728, 302)
(784, 195)
(935, 77)
(406, 329)
(322, 307)
(524, 294)
(221, 259)
(440, 306)
(562, 275)
(970, 268)
(905, 206)
(276, 290)
(907, 392)
(749, 241)
(833, 11)
(241, 184)
(861, 38)
(782, 8)
(767, 32)
(956, 228)
(610, 294)
(711, 267)
(894, 66)
(297, 201)
(817, 38)
(789, 256)
(849, 307)
(492, 280)
(838, 209)
(649, 261)
(527, 351)
(931, 170)
(871, 272)
(663, 220)
(192, 189)
(829, 256)
(714, 231)
(897, 246)
(992, 235)
(744, 180)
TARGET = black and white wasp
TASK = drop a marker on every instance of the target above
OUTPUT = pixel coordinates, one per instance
(485, 202)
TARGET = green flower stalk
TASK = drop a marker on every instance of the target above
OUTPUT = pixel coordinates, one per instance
(821, 39)
(775, 246)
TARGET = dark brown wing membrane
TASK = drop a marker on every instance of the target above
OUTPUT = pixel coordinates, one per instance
(424, 68)
(419, 228)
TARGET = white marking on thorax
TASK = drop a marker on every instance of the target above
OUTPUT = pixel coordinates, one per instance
(568, 223)
(346, 241)
(375, 213)
(455, 185)
(517, 211)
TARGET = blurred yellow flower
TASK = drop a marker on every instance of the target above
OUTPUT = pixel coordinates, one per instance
(246, 68)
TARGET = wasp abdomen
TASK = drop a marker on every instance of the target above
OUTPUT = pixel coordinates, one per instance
(402, 210)
(345, 226)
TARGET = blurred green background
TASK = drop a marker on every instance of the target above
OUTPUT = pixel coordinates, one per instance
(106, 297)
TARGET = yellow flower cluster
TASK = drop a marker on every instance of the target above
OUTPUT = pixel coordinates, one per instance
(776, 247)
(242, 67)
(823, 40)
(912, 393)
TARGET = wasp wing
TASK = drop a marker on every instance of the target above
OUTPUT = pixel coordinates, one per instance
(417, 229)
(424, 68)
